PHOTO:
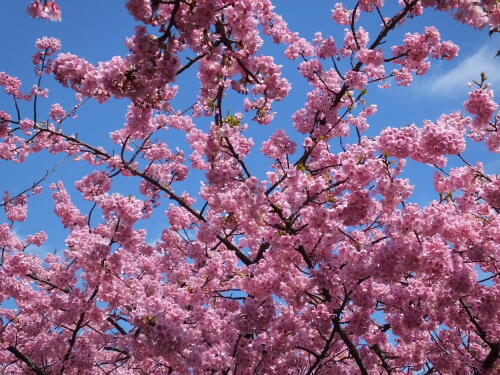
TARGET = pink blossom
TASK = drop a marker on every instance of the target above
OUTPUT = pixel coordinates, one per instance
(278, 145)
(4, 121)
(16, 209)
(49, 10)
(309, 69)
(341, 15)
(369, 56)
(447, 50)
(480, 103)
(317, 261)
(70, 70)
(93, 185)
(356, 80)
(26, 125)
(324, 47)
(299, 48)
(352, 44)
(370, 5)
(48, 45)
(443, 137)
(357, 208)
(180, 122)
(11, 85)
(37, 239)
(57, 112)
(69, 214)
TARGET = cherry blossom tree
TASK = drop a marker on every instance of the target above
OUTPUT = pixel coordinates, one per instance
(323, 266)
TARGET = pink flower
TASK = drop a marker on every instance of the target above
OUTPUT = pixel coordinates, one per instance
(48, 10)
(370, 56)
(324, 47)
(57, 112)
(37, 239)
(16, 209)
(48, 45)
(370, 5)
(357, 209)
(70, 70)
(480, 103)
(446, 136)
(356, 80)
(341, 15)
(11, 85)
(94, 185)
(278, 145)
(300, 47)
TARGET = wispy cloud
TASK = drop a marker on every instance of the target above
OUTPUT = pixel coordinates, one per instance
(468, 70)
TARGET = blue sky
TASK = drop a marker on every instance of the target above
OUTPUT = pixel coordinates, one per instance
(96, 29)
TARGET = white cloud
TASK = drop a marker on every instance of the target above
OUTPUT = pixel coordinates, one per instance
(468, 70)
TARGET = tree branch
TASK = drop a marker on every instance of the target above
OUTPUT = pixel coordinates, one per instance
(350, 346)
(37, 370)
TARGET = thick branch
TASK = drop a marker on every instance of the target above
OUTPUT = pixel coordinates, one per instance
(351, 347)
(383, 358)
(493, 355)
(37, 370)
(305, 256)
(116, 325)
(72, 340)
(46, 282)
(260, 254)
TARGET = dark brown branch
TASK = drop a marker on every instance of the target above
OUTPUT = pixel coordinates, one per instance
(275, 185)
(493, 355)
(171, 23)
(236, 250)
(353, 20)
(374, 242)
(383, 358)
(37, 370)
(350, 346)
(18, 112)
(35, 184)
(337, 68)
(308, 351)
(381, 17)
(389, 59)
(130, 168)
(72, 340)
(191, 62)
(354, 241)
(35, 99)
(117, 350)
(489, 278)
(323, 354)
(116, 325)
(305, 256)
(46, 282)
(474, 322)
(235, 155)
(247, 71)
(260, 254)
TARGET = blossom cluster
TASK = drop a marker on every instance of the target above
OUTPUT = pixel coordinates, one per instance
(324, 264)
